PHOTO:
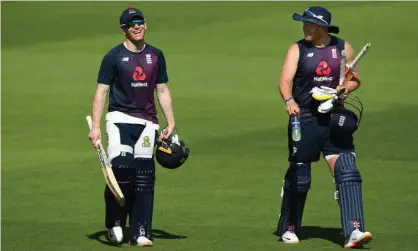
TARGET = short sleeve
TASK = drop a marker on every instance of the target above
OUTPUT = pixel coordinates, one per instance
(162, 76)
(107, 70)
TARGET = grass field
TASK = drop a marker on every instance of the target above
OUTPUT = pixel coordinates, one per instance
(224, 61)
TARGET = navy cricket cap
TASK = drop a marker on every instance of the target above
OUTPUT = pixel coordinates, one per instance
(129, 14)
(317, 15)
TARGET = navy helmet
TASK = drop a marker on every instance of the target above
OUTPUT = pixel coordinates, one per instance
(171, 153)
(347, 114)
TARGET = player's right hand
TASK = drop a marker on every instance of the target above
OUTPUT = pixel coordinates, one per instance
(165, 134)
(94, 135)
(292, 107)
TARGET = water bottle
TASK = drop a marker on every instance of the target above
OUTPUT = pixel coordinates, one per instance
(295, 120)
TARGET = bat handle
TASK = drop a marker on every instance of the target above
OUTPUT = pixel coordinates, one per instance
(341, 91)
(90, 123)
(337, 95)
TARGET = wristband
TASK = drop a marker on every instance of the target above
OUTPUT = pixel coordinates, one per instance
(288, 99)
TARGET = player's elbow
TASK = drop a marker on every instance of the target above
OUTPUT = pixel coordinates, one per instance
(352, 85)
(162, 90)
(101, 90)
(356, 84)
(163, 93)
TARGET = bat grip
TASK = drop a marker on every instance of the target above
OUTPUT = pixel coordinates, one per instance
(341, 91)
(90, 123)
(337, 95)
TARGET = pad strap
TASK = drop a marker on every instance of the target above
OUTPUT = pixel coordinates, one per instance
(346, 170)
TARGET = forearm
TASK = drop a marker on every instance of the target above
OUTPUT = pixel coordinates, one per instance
(165, 100)
(353, 82)
(98, 106)
(351, 86)
(285, 89)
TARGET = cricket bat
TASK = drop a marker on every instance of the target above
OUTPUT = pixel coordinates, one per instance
(107, 169)
(349, 69)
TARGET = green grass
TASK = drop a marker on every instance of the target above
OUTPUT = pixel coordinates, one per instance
(224, 60)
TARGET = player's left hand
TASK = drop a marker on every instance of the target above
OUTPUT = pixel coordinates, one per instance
(166, 132)
(344, 93)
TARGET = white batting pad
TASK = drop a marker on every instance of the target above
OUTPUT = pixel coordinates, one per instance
(144, 147)
(114, 146)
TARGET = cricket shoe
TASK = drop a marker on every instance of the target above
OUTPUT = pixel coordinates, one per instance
(143, 241)
(358, 238)
(290, 237)
(115, 234)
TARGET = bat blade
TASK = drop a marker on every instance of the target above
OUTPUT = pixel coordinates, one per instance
(110, 178)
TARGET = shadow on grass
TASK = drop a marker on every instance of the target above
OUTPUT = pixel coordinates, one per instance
(330, 234)
(101, 236)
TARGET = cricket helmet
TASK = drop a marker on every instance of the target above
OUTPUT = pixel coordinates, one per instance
(347, 115)
(171, 153)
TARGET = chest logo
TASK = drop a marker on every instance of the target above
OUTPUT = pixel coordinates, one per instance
(334, 53)
(149, 59)
(323, 69)
(139, 74)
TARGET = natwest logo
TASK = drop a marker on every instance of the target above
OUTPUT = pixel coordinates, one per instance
(319, 79)
(139, 84)
(323, 69)
(139, 74)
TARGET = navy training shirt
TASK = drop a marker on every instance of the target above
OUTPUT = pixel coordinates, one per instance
(133, 77)
(316, 67)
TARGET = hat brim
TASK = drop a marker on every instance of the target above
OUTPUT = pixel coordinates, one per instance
(135, 16)
(331, 28)
(132, 18)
